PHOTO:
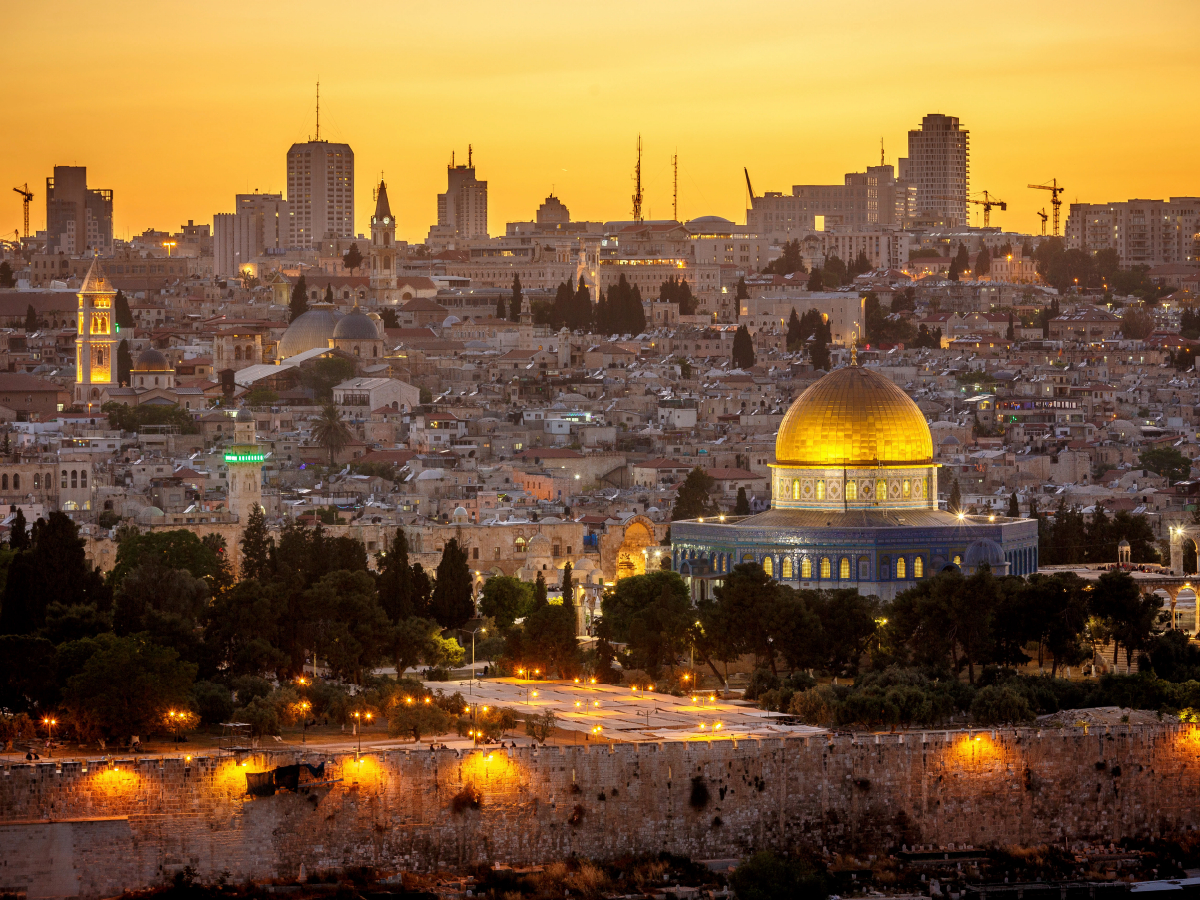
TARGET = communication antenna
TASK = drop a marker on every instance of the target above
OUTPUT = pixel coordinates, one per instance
(469, 153)
(318, 109)
(675, 189)
(881, 151)
(637, 191)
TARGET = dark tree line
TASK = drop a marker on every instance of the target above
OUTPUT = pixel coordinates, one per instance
(620, 310)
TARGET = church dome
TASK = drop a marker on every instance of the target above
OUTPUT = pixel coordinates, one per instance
(312, 329)
(356, 326)
(151, 360)
(853, 417)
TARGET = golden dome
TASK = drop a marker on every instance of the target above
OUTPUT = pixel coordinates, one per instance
(853, 417)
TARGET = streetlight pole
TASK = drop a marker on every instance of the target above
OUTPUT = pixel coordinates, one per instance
(484, 631)
(49, 723)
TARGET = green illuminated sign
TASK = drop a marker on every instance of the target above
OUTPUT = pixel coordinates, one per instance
(244, 457)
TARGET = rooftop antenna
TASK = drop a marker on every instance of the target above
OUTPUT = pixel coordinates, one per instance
(675, 189)
(881, 151)
(469, 152)
(318, 109)
(452, 159)
(637, 191)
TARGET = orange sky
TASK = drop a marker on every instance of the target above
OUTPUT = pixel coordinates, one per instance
(179, 106)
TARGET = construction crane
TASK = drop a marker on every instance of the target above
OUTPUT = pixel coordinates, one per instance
(749, 186)
(1055, 190)
(987, 203)
(1042, 213)
(27, 196)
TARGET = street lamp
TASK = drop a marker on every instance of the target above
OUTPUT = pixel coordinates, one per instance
(170, 245)
(49, 723)
(305, 706)
(358, 717)
(484, 631)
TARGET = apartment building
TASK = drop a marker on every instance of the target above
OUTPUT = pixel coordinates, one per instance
(260, 223)
(1143, 232)
(938, 165)
(320, 192)
(871, 199)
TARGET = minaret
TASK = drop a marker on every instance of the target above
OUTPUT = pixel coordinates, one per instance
(383, 248)
(244, 460)
(96, 342)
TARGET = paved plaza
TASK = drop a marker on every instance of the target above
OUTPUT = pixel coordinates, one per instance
(621, 713)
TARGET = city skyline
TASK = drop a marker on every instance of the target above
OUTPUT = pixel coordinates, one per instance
(553, 100)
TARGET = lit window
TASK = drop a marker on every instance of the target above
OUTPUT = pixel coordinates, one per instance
(825, 569)
(880, 489)
(918, 567)
(787, 568)
(844, 568)
(900, 568)
(957, 560)
(907, 488)
(821, 489)
(806, 568)
(768, 565)
(851, 490)
(795, 488)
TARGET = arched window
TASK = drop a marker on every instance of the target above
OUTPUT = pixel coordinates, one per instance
(356, 353)
(37, 481)
(957, 560)
(864, 568)
(906, 488)
(520, 544)
(851, 490)
(825, 569)
(844, 568)
(48, 481)
(64, 478)
(821, 489)
(880, 489)
(795, 488)
(901, 569)
(787, 568)
(918, 567)
(237, 353)
(375, 351)
(885, 568)
(4, 482)
(249, 352)
(768, 565)
(16, 482)
(806, 568)
(74, 478)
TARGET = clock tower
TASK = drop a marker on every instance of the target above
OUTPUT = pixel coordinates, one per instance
(383, 249)
(97, 339)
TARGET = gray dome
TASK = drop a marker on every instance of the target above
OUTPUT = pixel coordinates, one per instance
(152, 360)
(244, 415)
(356, 326)
(983, 551)
(313, 329)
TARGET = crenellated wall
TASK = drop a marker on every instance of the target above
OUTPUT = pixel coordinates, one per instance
(66, 832)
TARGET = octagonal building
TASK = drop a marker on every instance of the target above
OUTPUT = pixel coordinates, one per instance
(853, 503)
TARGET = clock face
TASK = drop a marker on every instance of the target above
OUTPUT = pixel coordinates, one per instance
(387, 220)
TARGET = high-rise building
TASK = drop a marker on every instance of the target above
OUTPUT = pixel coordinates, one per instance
(1143, 232)
(320, 192)
(97, 340)
(939, 166)
(78, 219)
(261, 223)
(462, 210)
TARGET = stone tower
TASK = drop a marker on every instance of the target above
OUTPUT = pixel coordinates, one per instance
(96, 344)
(383, 249)
(244, 460)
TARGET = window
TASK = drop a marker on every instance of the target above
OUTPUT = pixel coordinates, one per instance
(907, 488)
(864, 568)
(880, 489)
(844, 568)
(900, 568)
(16, 482)
(768, 565)
(787, 568)
(4, 482)
(496, 553)
(557, 550)
(851, 490)
(795, 488)
(520, 542)
(37, 480)
(474, 553)
(806, 568)
(884, 568)
(64, 478)
(957, 560)
(918, 567)
(821, 489)
(825, 570)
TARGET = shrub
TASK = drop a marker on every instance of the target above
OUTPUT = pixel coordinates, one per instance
(213, 702)
(995, 705)
(815, 707)
(761, 681)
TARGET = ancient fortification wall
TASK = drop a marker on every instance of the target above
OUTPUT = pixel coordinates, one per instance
(92, 833)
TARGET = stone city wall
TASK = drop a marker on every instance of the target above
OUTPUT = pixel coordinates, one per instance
(67, 832)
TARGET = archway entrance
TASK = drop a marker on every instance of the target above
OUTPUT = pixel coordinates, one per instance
(634, 550)
(1184, 548)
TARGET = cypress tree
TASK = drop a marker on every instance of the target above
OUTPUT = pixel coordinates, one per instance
(794, 336)
(329, 293)
(954, 504)
(256, 546)
(501, 313)
(124, 363)
(582, 319)
(1014, 508)
(31, 319)
(983, 262)
(452, 605)
(539, 592)
(122, 313)
(18, 535)
(396, 580)
(743, 348)
(816, 281)
(514, 304)
(742, 507)
(568, 585)
(299, 303)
